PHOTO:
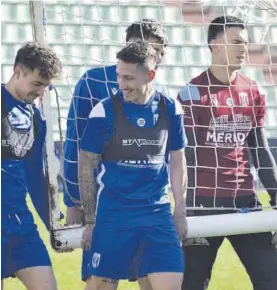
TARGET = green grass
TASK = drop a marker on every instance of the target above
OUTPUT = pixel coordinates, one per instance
(228, 273)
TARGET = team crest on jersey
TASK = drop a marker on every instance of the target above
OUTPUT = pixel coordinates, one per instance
(96, 260)
(229, 102)
(243, 99)
(141, 122)
(19, 120)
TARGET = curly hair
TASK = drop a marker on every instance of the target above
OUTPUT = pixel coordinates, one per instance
(145, 29)
(34, 56)
(140, 53)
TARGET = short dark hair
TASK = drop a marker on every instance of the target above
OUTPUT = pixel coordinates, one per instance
(145, 29)
(219, 24)
(139, 52)
(34, 56)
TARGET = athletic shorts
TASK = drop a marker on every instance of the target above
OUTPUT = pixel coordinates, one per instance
(132, 253)
(21, 245)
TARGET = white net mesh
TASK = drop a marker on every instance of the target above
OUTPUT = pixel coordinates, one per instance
(87, 34)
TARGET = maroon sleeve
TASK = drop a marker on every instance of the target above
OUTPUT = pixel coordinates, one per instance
(189, 97)
(260, 109)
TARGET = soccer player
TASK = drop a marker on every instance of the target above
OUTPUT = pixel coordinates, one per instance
(129, 228)
(224, 115)
(97, 84)
(24, 254)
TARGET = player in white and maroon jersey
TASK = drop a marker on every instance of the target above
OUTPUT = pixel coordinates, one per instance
(224, 115)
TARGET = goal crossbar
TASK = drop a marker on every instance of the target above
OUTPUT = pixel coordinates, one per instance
(200, 226)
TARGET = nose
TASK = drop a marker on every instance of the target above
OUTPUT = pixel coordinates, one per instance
(159, 58)
(120, 83)
(243, 48)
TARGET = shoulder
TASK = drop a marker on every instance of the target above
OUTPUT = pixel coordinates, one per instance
(97, 75)
(40, 122)
(38, 114)
(105, 73)
(192, 91)
(256, 89)
(102, 109)
(173, 105)
(201, 80)
(242, 79)
(93, 84)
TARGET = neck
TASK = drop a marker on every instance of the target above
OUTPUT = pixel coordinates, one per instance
(223, 73)
(10, 86)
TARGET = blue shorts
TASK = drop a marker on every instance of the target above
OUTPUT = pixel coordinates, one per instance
(21, 246)
(132, 253)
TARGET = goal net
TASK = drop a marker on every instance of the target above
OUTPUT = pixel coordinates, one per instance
(87, 34)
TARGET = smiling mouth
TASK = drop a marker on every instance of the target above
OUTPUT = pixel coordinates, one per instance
(126, 91)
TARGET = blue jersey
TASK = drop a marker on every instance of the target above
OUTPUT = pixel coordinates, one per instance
(26, 174)
(95, 85)
(132, 195)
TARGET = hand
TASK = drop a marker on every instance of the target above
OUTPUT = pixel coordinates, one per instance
(74, 215)
(181, 225)
(87, 236)
(196, 242)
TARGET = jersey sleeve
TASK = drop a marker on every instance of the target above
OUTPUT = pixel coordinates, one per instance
(260, 105)
(79, 110)
(99, 129)
(190, 100)
(35, 179)
(177, 137)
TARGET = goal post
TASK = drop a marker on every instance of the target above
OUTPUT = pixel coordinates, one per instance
(50, 168)
(72, 21)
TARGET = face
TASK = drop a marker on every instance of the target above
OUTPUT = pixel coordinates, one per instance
(231, 47)
(29, 84)
(156, 44)
(133, 80)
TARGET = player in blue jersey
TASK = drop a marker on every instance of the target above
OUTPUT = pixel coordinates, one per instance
(130, 231)
(24, 254)
(97, 84)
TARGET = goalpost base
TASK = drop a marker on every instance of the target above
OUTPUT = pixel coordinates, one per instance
(64, 239)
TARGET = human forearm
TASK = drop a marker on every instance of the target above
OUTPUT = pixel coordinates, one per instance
(263, 161)
(87, 183)
(79, 110)
(267, 172)
(38, 191)
(178, 179)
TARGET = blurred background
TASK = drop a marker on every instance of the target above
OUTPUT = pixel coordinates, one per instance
(88, 33)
